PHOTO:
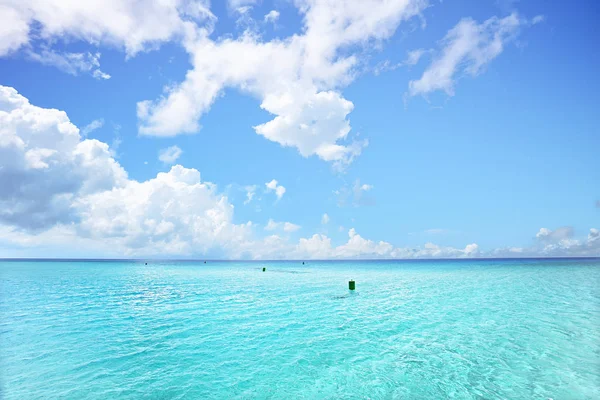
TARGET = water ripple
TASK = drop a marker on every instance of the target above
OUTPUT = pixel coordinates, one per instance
(469, 330)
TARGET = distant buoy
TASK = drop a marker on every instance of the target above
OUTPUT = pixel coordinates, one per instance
(264, 269)
(204, 262)
(302, 262)
(146, 263)
(351, 285)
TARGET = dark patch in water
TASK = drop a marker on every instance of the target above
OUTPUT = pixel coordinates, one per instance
(344, 296)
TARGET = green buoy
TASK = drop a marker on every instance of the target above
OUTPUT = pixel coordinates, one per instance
(351, 285)
(264, 269)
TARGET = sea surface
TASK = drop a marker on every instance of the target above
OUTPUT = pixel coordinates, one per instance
(477, 329)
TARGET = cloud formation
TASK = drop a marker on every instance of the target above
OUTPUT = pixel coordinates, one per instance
(562, 233)
(71, 63)
(561, 243)
(63, 192)
(414, 56)
(272, 16)
(466, 49)
(273, 186)
(250, 193)
(133, 25)
(169, 155)
(46, 165)
(285, 226)
(297, 79)
(92, 126)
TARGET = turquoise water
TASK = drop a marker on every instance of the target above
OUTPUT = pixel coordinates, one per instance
(412, 330)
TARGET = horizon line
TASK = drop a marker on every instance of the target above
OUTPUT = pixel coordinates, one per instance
(299, 260)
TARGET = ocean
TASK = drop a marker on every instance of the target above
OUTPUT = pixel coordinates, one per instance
(469, 329)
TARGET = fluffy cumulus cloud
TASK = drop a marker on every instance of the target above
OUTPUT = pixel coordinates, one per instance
(273, 186)
(62, 194)
(272, 16)
(45, 164)
(562, 233)
(175, 212)
(466, 49)
(14, 29)
(131, 25)
(297, 79)
(320, 247)
(53, 180)
(134, 25)
(561, 242)
(170, 154)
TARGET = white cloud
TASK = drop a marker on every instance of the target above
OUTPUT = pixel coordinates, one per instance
(170, 154)
(560, 242)
(278, 189)
(325, 219)
(538, 19)
(174, 213)
(271, 225)
(315, 247)
(115, 144)
(272, 16)
(135, 25)
(471, 249)
(62, 194)
(71, 63)
(285, 226)
(414, 56)
(289, 227)
(54, 183)
(92, 126)
(297, 79)
(466, 48)
(14, 29)
(45, 164)
(100, 75)
(562, 233)
(320, 247)
(250, 193)
(235, 4)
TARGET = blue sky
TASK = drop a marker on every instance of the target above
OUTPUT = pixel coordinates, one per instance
(424, 129)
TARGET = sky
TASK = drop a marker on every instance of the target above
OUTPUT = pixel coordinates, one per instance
(299, 129)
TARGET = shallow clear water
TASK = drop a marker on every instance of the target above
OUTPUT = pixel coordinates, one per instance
(412, 330)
